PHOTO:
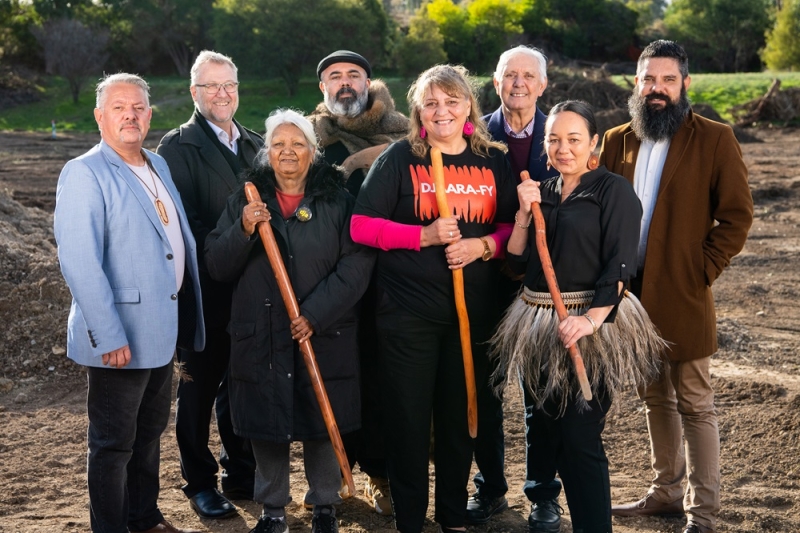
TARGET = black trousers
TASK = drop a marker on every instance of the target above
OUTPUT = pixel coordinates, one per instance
(571, 445)
(424, 377)
(128, 411)
(366, 445)
(208, 389)
(490, 449)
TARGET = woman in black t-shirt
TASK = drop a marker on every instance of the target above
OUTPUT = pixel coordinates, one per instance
(592, 218)
(417, 324)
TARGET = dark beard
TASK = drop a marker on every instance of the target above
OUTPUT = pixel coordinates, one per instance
(654, 124)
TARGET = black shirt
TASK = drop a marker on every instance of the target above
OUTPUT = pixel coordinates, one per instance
(399, 187)
(592, 237)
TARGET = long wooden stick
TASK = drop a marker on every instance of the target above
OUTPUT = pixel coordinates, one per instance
(461, 303)
(290, 301)
(555, 292)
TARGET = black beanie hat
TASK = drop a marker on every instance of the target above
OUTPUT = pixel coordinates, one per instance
(344, 56)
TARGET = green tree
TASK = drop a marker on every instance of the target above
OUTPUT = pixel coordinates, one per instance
(72, 50)
(59, 9)
(595, 29)
(453, 24)
(288, 37)
(536, 22)
(154, 32)
(721, 35)
(648, 11)
(17, 43)
(476, 33)
(783, 40)
(423, 47)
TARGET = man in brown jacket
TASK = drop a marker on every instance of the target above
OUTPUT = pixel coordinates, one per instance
(690, 177)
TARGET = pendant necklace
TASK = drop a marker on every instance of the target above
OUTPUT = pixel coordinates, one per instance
(160, 208)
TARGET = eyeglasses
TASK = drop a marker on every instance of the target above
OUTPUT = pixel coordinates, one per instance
(213, 88)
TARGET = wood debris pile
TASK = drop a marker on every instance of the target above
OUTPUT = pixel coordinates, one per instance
(775, 106)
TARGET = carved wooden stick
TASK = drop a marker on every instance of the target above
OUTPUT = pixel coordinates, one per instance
(290, 301)
(461, 303)
(555, 292)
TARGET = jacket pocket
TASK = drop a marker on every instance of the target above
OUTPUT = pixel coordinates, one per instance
(699, 266)
(126, 296)
(241, 331)
(244, 351)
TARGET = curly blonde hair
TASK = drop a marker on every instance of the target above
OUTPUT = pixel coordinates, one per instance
(455, 81)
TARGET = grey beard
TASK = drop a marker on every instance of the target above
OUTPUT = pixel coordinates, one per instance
(349, 108)
(657, 124)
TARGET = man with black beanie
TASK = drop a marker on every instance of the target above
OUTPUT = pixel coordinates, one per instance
(354, 124)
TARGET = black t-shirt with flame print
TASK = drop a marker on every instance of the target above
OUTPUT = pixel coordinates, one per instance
(480, 191)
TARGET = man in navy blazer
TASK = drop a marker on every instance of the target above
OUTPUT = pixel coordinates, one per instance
(129, 259)
(519, 79)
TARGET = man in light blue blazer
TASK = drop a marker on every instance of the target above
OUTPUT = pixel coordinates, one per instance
(129, 258)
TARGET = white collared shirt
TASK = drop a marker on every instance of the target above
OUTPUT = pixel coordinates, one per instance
(149, 180)
(224, 138)
(646, 179)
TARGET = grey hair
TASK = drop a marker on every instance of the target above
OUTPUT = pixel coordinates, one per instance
(279, 117)
(209, 56)
(120, 77)
(523, 50)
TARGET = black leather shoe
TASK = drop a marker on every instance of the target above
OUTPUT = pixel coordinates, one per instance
(545, 517)
(211, 504)
(694, 527)
(480, 508)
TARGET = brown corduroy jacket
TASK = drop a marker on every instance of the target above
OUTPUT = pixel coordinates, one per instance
(702, 214)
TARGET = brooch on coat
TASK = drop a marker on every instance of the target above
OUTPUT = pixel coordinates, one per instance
(303, 213)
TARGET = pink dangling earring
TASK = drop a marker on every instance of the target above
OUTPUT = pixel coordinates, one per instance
(423, 132)
(548, 165)
(469, 128)
(594, 162)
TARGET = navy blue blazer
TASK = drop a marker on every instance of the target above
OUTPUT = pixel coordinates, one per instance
(537, 164)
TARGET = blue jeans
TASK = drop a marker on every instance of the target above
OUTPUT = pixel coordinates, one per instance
(128, 411)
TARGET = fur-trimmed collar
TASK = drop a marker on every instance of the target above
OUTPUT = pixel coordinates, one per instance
(325, 182)
(380, 123)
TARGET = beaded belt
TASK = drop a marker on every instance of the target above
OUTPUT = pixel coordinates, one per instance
(572, 300)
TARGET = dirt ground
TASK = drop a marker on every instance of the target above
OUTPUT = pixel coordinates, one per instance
(756, 373)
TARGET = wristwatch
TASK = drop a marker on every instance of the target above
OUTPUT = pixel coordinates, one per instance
(487, 252)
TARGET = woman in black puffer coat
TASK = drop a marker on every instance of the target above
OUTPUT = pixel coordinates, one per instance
(272, 399)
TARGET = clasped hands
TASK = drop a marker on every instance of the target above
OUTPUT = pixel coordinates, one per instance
(444, 232)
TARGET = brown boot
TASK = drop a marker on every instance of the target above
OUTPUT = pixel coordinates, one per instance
(649, 506)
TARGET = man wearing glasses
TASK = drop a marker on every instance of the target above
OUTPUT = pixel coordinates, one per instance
(205, 156)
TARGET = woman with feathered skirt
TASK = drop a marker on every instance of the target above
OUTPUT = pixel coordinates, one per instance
(592, 218)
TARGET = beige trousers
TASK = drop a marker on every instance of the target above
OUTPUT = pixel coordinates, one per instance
(682, 396)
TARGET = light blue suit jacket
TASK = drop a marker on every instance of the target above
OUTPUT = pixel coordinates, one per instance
(117, 261)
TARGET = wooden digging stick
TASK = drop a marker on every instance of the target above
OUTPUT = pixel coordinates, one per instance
(555, 292)
(290, 301)
(461, 303)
